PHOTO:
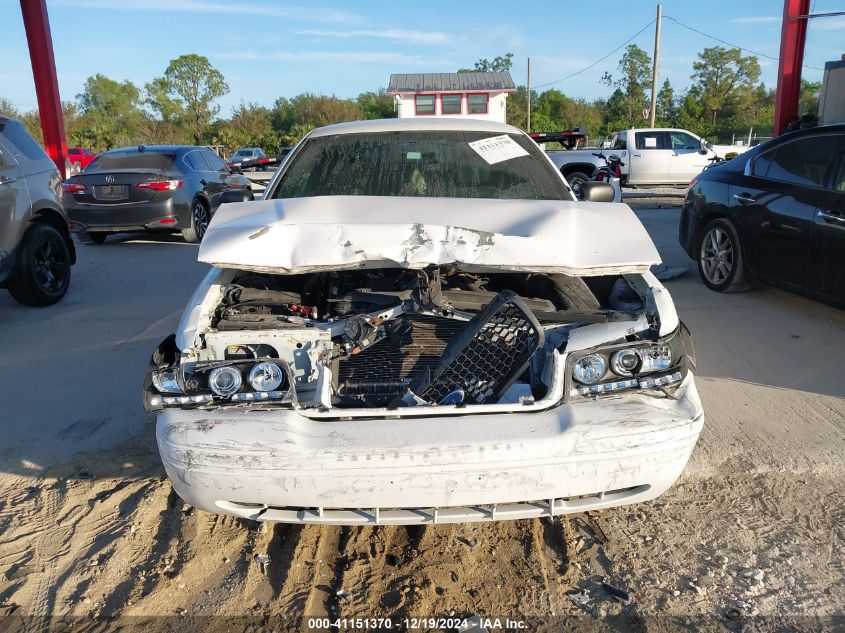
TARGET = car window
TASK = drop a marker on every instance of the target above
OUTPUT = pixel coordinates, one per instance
(419, 163)
(215, 163)
(195, 161)
(20, 142)
(148, 159)
(74, 150)
(682, 140)
(802, 162)
(621, 141)
(838, 180)
(652, 140)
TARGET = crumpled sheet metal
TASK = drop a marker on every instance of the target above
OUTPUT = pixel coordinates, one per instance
(303, 235)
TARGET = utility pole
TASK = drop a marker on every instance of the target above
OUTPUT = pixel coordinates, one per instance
(528, 124)
(655, 67)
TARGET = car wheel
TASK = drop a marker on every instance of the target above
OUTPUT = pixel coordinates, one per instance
(576, 182)
(720, 261)
(42, 270)
(200, 218)
(95, 237)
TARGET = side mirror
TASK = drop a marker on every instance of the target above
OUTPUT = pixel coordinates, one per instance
(704, 146)
(597, 192)
(236, 195)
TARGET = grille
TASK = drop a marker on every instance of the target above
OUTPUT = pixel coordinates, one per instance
(394, 367)
(490, 353)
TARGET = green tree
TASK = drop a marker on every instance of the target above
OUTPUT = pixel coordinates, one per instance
(667, 111)
(633, 81)
(499, 64)
(187, 91)
(724, 78)
(8, 109)
(377, 105)
(110, 112)
(808, 102)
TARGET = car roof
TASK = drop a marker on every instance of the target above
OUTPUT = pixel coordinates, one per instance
(405, 125)
(153, 148)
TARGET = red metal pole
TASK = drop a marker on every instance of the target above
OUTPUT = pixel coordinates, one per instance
(792, 37)
(37, 26)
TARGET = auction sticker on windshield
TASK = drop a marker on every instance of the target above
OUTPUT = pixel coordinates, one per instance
(497, 148)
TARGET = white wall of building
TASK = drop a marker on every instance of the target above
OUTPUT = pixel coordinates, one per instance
(496, 107)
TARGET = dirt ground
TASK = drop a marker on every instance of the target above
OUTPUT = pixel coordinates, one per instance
(750, 538)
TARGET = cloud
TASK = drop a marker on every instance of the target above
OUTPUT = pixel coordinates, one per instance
(334, 57)
(827, 24)
(418, 37)
(311, 14)
(757, 19)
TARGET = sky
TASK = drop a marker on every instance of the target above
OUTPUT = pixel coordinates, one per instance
(270, 48)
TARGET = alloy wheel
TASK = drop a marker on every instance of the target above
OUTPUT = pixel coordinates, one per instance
(200, 218)
(50, 266)
(717, 256)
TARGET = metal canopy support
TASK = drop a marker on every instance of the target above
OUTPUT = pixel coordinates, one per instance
(792, 37)
(37, 26)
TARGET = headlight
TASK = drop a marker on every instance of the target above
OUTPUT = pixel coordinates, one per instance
(224, 381)
(166, 381)
(656, 358)
(266, 377)
(624, 362)
(633, 365)
(589, 369)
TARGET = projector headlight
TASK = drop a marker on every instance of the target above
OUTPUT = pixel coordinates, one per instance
(224, 381)
(266, 377)
(624, 362)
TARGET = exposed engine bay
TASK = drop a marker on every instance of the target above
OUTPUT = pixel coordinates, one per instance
(393, 338)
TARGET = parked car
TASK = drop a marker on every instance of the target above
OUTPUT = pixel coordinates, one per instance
(774, 214)
(432, 332)
(652, 156)
(152, 188)
(80, 158)
(36, 250)
(247, 158)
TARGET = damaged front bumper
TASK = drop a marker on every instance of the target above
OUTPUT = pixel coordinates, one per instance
(278, 465)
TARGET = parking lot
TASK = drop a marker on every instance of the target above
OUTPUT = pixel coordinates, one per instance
(89, 524)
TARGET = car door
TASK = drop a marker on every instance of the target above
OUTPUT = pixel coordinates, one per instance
(776, 204)
(686, 161)
(827, 259)
(650, 157)
(14, 205)
(219, 177)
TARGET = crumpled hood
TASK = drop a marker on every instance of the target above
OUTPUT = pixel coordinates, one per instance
(301, 235)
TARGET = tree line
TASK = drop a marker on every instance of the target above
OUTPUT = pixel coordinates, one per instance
(725, 98)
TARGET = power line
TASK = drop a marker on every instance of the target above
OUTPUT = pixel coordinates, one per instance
(598, 61)
(742, 48)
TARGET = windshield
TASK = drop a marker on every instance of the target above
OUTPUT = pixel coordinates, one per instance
(244, 152)
(435, 164)
(133, 160)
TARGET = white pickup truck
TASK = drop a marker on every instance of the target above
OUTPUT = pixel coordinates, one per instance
(651, 156)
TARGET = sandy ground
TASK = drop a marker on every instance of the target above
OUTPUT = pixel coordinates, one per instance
(751, 537)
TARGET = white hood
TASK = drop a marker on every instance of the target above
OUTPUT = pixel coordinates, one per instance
(301, 235)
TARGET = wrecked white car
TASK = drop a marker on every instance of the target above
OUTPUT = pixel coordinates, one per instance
(418, 324)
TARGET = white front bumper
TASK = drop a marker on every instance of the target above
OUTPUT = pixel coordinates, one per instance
(281, 466)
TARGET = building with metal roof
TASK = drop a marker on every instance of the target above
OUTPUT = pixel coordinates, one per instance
(477, 95)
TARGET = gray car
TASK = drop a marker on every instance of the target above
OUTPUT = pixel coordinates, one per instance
(149, 188)
(36, 250)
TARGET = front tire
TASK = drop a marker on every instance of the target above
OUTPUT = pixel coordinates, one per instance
(42, 268)
(576, 182)
(200, 217)
(720, 261)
